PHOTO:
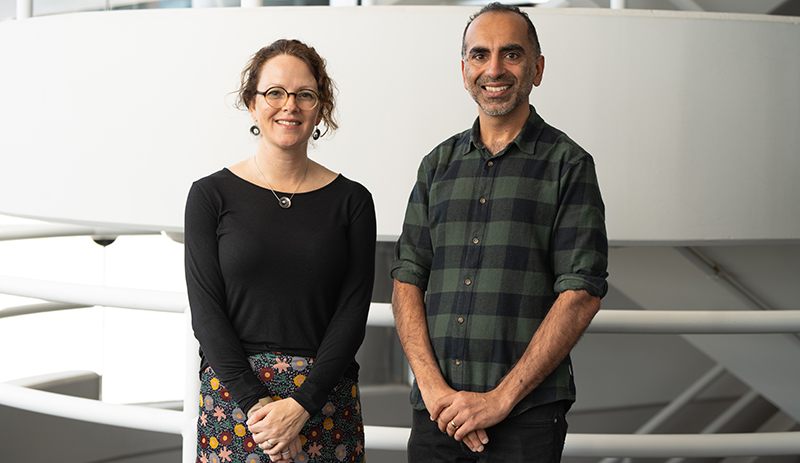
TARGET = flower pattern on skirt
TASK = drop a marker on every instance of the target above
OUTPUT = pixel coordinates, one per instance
(333, 435)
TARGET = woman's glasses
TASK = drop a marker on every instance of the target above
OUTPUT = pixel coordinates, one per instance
(278, 96)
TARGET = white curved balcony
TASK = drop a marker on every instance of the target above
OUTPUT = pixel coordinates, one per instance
(691, 118)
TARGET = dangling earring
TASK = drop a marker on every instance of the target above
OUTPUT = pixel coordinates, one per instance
(315, 135)
(255, 130)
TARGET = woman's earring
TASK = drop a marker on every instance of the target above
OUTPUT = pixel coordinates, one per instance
(255, 130)
(315, 135)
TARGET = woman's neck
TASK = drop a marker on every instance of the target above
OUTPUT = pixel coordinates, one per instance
(281, 170)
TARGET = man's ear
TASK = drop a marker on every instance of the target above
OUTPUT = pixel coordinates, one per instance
(538, 71)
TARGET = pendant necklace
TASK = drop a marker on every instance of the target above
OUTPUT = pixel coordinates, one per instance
(283, 201)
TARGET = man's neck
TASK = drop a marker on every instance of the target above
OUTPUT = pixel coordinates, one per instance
(498, 131)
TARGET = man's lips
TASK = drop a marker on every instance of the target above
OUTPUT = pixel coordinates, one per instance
(496, 88)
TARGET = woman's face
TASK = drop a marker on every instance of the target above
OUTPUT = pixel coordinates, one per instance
(289, 126)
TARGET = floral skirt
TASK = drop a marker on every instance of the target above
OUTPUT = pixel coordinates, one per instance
(333, 435)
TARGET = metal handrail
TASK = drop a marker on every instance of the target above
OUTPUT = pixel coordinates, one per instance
(129, 416)
(676, 404)
(38, 308)
(69, 295)
(606, 321)
(50, 230)
(92, 295)
(695, 322)
(390, 438)
(725, 417)
(682, 445)
(394, 438)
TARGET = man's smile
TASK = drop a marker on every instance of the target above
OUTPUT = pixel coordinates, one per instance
(494, 89)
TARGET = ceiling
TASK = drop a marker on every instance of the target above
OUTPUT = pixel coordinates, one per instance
(780, 7)
(785, 7)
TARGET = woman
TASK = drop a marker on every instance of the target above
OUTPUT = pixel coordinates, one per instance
(280, 256)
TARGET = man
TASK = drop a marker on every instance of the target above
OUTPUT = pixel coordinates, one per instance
(505, 233)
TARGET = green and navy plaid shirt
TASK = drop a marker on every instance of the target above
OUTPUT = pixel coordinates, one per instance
(493, 240)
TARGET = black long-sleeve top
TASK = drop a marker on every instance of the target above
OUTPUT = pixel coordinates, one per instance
(261, 278)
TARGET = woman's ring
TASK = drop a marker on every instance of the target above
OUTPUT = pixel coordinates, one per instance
(286, 452)
(453, 424)
(269, 445)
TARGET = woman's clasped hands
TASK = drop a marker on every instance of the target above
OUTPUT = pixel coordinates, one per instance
(276, 428)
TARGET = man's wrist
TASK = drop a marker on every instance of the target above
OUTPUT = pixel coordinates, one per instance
(505, 401)
(433, 385)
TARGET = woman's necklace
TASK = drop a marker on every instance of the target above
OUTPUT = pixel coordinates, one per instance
(284, 202)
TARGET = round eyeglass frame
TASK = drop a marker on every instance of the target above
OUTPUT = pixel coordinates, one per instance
(286, 97)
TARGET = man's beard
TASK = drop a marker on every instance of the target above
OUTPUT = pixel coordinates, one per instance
(495, 107)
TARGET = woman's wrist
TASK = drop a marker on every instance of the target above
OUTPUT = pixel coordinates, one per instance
(261, 402)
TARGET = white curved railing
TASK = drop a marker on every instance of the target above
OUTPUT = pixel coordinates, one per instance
(51, 230)
(695, 322)
(92, 295)
(606, 321)
(683, 445)
(38, 308)
(128, 416)
(62, 296)
(68, 295)
(394, 438)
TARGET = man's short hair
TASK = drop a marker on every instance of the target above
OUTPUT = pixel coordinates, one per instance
(497, 7)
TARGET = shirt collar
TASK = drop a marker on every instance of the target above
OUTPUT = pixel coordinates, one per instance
(525, 139)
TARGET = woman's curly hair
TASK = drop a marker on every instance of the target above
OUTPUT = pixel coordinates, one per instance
(250, 75)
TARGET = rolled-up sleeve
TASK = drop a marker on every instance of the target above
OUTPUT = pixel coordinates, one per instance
(580, 246)
(413, 253)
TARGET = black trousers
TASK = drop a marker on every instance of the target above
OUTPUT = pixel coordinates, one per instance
(534, 436)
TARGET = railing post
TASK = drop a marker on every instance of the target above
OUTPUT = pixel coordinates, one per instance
(24, 9)
(191, 398)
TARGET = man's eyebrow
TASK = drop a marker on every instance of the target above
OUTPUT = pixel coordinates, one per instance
(513, 47)
(504, 49)
(478, 49)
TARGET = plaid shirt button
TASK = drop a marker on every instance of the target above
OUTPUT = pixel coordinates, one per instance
(467, 282)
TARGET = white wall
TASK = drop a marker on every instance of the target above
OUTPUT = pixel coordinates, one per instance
(692, 118)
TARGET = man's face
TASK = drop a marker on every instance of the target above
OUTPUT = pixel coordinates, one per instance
(500, 67)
